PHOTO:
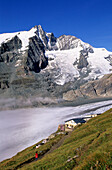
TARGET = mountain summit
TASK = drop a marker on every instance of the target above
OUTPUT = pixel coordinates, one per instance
(36, 63)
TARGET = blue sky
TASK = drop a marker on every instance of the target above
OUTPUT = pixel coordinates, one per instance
(89, 20)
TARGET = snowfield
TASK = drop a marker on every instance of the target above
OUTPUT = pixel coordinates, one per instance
(63, 60)
(98, 62)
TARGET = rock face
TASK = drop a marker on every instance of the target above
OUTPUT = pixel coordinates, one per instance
(36, 59)
(82, 62)
(36, 64)
(66, 42)
(20, 58)
(8, 50)
(94, 89)
(42, 35)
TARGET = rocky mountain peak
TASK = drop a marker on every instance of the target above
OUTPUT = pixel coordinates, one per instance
(51, 65)
(23, 50)
(42, 35)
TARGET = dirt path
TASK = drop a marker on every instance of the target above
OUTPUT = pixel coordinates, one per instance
(57, 145)
(54, 147)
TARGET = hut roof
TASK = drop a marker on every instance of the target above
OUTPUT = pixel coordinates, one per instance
(77, 120)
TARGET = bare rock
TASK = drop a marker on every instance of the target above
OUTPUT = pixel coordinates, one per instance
(93, 89)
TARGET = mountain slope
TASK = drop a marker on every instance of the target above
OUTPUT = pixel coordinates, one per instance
(89, 146)
(36, 63)
(93, 89)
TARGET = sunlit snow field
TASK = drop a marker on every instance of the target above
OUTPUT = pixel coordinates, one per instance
(24, 127)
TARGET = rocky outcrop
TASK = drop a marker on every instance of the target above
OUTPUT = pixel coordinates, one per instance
(66, 42)
(93, 89)
(48, 39)
(42, 35)
(11, 45)
(17, 66)
(109, 58)
(36, 59)
(82, 60)
(52, 40)
(9, 50)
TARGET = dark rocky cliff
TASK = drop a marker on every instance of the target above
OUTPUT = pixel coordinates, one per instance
(28, 72)
(17, 67)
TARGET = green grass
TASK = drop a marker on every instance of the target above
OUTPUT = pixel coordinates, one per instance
(28, 155)
(91, 143)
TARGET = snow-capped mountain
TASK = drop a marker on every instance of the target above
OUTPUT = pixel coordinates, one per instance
(35, 62)
(77, 64)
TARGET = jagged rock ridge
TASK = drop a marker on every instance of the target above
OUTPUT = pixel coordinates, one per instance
(36, 63)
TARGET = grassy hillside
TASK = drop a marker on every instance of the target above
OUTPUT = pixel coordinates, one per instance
(89, 146)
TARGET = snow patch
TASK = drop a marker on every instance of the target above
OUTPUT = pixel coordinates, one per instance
(63, 61)
(23, 36)
(98, 64)
(18, 63)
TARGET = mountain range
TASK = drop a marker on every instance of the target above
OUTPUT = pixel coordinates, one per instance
(37, 66)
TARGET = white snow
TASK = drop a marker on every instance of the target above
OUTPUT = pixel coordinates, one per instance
(7, 36)
(63, 60)
(23, 36)
(48, 33)
(99, 65)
